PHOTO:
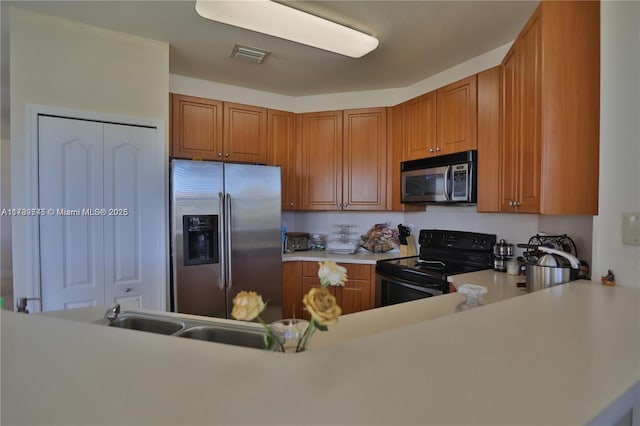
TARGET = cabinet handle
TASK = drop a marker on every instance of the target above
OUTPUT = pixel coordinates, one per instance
(226, 154)
(430, 149)
(127, 290)
(438, 149)
(517, 203)
(219, 154)
(346, 204)
(290, 204)
(339, 205)
(512, 203)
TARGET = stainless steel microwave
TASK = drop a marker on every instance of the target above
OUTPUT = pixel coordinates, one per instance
(444, 179)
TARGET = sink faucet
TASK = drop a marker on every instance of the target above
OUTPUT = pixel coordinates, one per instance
(21, 306)
(112, 313)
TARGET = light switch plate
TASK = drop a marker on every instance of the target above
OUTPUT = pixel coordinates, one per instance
(631, 229)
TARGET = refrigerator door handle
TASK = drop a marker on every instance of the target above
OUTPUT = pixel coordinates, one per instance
(229, 227)
(221, 237)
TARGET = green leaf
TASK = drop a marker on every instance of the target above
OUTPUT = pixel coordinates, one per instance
(321, 327)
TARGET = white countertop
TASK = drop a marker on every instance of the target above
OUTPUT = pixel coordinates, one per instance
(557, 356)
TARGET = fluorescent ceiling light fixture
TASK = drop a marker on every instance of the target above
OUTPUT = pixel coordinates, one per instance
(278, 20)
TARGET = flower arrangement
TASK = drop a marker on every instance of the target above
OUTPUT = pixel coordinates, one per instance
(319, 302)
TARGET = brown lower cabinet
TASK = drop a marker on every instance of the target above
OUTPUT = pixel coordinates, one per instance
(299, 277)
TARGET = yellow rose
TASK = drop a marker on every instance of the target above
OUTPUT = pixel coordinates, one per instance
(322, 306)
(247, 305)
(330, 273)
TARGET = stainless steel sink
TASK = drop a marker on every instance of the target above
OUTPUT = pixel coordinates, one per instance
(226, 332)
(229, 336)
(147, 323)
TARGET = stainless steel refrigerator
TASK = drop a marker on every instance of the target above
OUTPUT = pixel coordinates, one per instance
(226, 236)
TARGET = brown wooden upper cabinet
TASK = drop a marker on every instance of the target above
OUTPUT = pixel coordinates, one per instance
(489, 140)
(365, 159)
(550, 115)
(283, 152)
(420, 126)
(208, 129)
(245, 133)
(321, 161)
(344, 160)
(196, 127)
(456, 117)
(443, 121)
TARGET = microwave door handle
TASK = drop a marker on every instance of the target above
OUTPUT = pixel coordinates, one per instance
(447, 181)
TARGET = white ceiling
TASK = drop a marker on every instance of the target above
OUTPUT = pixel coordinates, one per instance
(417, 40)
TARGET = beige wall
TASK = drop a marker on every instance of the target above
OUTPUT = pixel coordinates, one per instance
(619, 141)
(330, 101)
(62, 63)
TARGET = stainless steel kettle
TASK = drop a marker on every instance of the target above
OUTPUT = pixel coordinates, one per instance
(555, 267)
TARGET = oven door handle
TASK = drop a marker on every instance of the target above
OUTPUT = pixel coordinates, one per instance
(421, 289)
(398, 281)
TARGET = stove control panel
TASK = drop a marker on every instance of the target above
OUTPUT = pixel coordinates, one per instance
(461, 240)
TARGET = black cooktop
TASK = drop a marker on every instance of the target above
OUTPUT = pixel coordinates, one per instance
(442, 253)
(412, 268)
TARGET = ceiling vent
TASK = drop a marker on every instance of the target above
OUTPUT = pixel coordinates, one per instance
(249, 54)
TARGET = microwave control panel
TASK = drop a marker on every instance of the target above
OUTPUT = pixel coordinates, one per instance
(460, 182)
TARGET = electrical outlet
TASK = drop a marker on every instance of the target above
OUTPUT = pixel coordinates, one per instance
(631, 229)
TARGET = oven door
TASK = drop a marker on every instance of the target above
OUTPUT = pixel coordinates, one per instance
(392, 290)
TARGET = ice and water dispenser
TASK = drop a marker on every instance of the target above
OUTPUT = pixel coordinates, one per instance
(200, 239)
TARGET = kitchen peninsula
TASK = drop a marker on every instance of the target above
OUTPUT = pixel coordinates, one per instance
(565, 355)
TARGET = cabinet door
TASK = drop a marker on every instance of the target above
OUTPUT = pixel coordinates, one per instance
(245, 133)
(489, 140)
(321, 161)
(457, 115)
(356, 296)
(420, 126)
(509, 167)
(282, 152)
(529, 161)
(292, 290)
(196, 127)
(365, 159)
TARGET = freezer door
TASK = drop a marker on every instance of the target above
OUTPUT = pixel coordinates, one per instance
(254, 241)
(197, 238)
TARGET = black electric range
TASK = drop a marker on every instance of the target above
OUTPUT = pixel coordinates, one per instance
(442, 253)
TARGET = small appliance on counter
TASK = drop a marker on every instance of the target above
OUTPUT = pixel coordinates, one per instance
(502, 253)
(318, 242)
(551, 260)
(296, 241)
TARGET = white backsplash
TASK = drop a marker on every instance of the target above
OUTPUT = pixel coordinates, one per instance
(323, 222)
(513, 228)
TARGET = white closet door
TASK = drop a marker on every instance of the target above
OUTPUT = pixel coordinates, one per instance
(70, 177)
(134, 200)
